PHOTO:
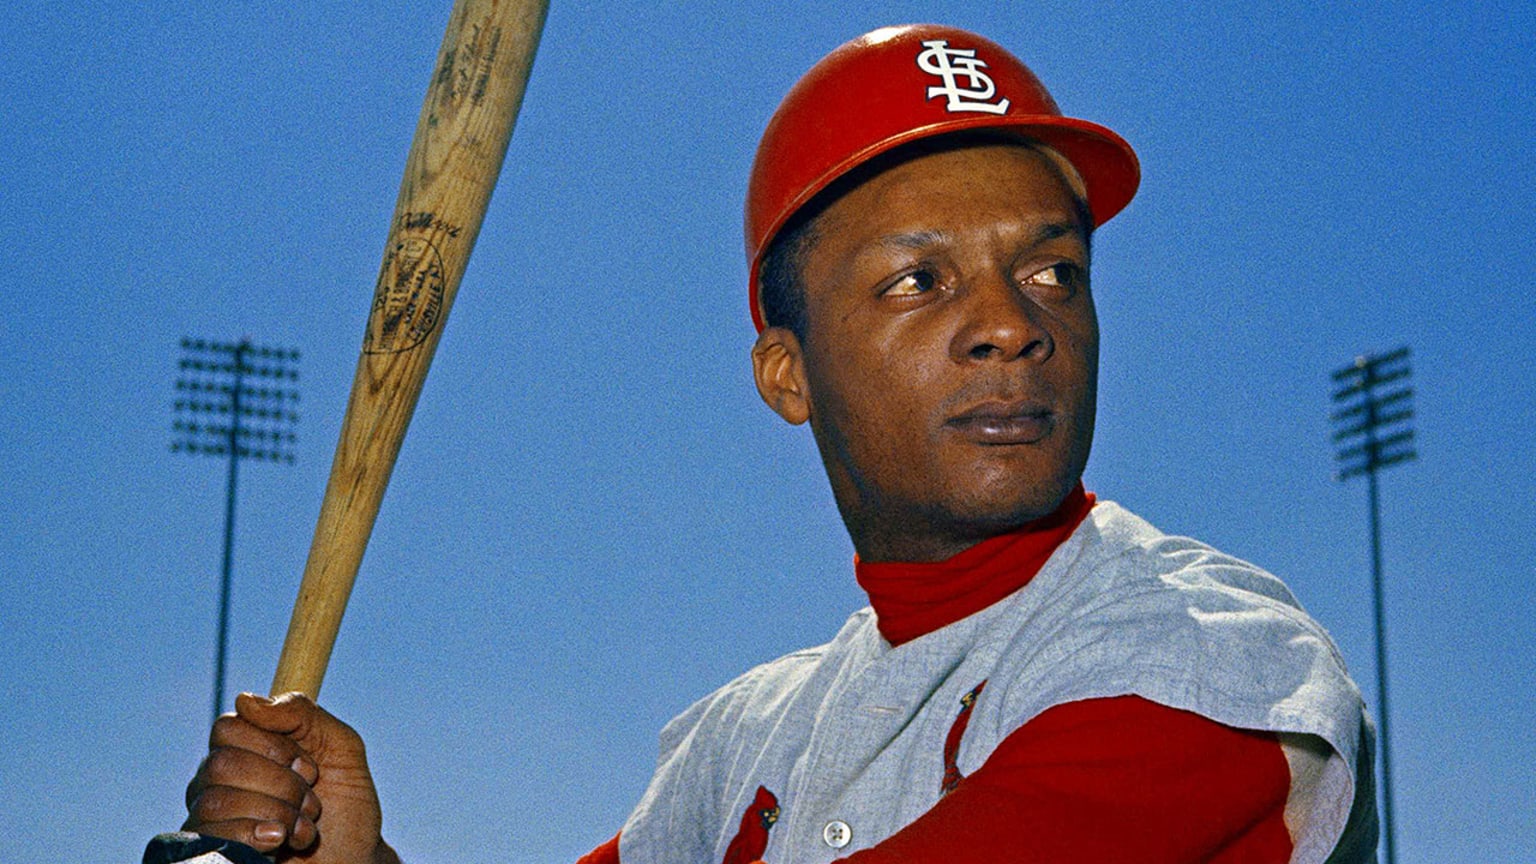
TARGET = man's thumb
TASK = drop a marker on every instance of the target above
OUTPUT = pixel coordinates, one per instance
(286, 713)
(298, 717)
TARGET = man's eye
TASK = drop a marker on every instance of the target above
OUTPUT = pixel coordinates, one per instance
(916, 282)
(1055, 276)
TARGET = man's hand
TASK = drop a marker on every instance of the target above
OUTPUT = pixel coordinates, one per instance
(284, 776)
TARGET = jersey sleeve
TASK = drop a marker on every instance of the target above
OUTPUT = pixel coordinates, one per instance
(608, 853)
(1111, 779)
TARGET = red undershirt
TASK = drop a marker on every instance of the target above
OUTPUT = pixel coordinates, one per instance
(1101, 780)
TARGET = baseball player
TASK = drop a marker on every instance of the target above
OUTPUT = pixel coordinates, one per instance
(1040, 675)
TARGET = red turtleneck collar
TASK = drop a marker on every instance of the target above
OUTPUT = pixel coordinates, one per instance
(911, 599)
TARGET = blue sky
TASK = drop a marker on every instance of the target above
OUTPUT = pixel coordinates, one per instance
(594, 520)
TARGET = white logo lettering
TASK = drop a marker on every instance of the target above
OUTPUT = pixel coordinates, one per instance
(953, 63)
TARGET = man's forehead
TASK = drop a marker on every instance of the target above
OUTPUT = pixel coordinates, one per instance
(927, 238)
(1048, 199)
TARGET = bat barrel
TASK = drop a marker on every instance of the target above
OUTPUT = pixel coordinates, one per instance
(455, 158)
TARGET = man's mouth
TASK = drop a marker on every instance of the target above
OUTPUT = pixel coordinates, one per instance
(1001, 423)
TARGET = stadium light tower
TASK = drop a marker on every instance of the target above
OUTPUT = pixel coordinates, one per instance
(1373, 434)
(240, 401)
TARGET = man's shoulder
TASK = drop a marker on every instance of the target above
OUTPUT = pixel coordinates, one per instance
(1134, 561)
(1172, 596)
(1127, 609)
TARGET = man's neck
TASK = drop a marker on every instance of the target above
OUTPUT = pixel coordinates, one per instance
(912, 599)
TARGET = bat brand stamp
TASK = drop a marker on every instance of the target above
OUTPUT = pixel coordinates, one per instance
(428, 221)
(408, 302)
(467, 68)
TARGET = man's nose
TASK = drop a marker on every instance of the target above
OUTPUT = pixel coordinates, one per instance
(1000, 322)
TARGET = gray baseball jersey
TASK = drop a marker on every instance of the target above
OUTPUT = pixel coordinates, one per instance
(845, 734)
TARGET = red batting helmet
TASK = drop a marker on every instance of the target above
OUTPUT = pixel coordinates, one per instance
(899, 84)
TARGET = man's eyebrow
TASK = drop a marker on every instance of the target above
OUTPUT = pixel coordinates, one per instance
(1052, 230)
(916, 240)
(924, 239)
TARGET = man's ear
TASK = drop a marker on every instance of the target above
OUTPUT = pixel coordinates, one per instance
(778, 364)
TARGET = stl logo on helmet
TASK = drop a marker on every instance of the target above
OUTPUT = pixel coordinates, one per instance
(951, 64)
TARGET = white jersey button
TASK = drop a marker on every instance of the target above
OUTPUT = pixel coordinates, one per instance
(837, 834)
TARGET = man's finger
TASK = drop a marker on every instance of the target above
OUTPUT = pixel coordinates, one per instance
(232, 731)
(250, 817)
(261, 836)
(242, 769)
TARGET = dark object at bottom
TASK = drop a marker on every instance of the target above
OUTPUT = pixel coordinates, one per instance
(186, 846)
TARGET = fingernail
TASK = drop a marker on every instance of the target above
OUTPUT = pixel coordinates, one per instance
(305, 769)
(268, 832)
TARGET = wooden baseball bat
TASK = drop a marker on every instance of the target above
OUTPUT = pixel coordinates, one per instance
(461, 138)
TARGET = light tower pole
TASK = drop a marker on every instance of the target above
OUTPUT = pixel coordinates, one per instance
(239, 401)
(1373, 434)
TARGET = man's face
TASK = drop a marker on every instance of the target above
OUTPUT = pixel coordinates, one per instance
(950, 367)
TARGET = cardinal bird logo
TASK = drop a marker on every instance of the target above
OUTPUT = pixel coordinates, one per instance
(952, 775)
(751, 838)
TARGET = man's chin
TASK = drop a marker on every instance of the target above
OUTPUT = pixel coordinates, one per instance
(1014, 492)
(1009, 509)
